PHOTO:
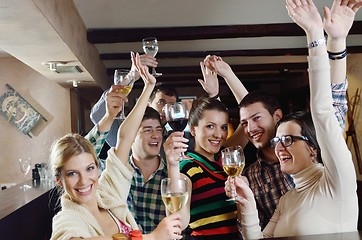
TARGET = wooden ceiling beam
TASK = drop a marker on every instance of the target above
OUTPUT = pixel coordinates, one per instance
(201, 32)
(278, 67)
(226, 53)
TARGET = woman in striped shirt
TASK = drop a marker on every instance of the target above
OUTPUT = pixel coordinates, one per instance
(210, 215)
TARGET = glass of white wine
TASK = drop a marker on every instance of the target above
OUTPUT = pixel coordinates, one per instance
(174, 193)
(233, 162)
(150, 47)
(126, 79)
(25, 166)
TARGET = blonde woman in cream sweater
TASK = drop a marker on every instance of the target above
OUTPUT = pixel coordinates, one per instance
(97, 209)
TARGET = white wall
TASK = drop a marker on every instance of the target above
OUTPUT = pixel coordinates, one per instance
(50, 99)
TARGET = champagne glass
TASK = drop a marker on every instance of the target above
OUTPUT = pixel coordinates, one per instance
(174, 193)
(150, 47)
(177, 116)
(25, 166)
(126, 79)
(233, 162)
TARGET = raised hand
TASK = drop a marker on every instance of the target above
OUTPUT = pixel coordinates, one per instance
(146, 60)
(210, 83)
(142, 69)
(305, 14)
(339, 19)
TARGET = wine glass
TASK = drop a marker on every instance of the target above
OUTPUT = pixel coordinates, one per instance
(233, 162)
(150, 47)
(177, 116)
(174, 193)
(25, 166)
(126, 79)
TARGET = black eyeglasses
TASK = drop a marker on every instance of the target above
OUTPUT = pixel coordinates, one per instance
(286, 140)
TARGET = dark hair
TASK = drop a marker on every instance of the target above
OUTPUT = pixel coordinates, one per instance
(167, 90)
(269, 101)
(304, 120)
(200, 105)
(151, 113)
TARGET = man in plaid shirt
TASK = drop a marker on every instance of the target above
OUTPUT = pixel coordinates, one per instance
(144, 199)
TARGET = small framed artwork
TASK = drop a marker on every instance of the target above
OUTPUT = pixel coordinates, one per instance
(18, 111)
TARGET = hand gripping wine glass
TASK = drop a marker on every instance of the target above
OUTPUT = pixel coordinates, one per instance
(174, 193)
(126, 79)
(150, 47)
(233, 162)
(25, 166)
(177, 116)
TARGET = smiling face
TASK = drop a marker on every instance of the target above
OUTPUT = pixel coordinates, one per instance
(299, 155)
(210, 133)
(147, 143)
(258, 124)
(79, 178)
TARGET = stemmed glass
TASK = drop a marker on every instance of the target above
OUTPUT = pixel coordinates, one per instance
(177, 116)
(25, 166)
(174, 193)
(126, 79)
(150, 47)
(233, 162)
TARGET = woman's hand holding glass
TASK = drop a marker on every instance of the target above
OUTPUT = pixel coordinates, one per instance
(233, 161)
(239, 189)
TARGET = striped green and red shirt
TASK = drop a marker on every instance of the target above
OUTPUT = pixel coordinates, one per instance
(211, 216)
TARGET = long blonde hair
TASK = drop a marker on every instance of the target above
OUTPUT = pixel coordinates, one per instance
(66, 147)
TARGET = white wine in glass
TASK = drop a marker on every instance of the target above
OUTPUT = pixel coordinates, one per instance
(25, 167)
(150, 47)
(233, 162)
(174, 193)
(126, 79)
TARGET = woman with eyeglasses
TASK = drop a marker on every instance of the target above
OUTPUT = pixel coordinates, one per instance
(324, 199)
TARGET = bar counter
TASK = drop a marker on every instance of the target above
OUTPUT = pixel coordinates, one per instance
(25, 214)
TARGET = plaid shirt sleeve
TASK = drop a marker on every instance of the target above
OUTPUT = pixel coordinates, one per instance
(340, 101)
(97, 139)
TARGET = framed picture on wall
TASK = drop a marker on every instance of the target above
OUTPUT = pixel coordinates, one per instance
(18, 111)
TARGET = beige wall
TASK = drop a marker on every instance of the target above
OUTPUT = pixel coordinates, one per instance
(354, 71)
(50, 99)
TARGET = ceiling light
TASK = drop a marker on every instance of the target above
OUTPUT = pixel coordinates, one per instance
(53, 65)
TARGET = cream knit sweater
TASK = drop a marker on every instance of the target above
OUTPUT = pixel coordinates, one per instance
(113, 188)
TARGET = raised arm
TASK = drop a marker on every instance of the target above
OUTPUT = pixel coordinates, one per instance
(218, 65)
(128, 129)
(329, 136)
(337, 23)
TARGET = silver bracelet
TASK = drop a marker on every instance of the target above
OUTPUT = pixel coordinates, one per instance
(316, 43)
